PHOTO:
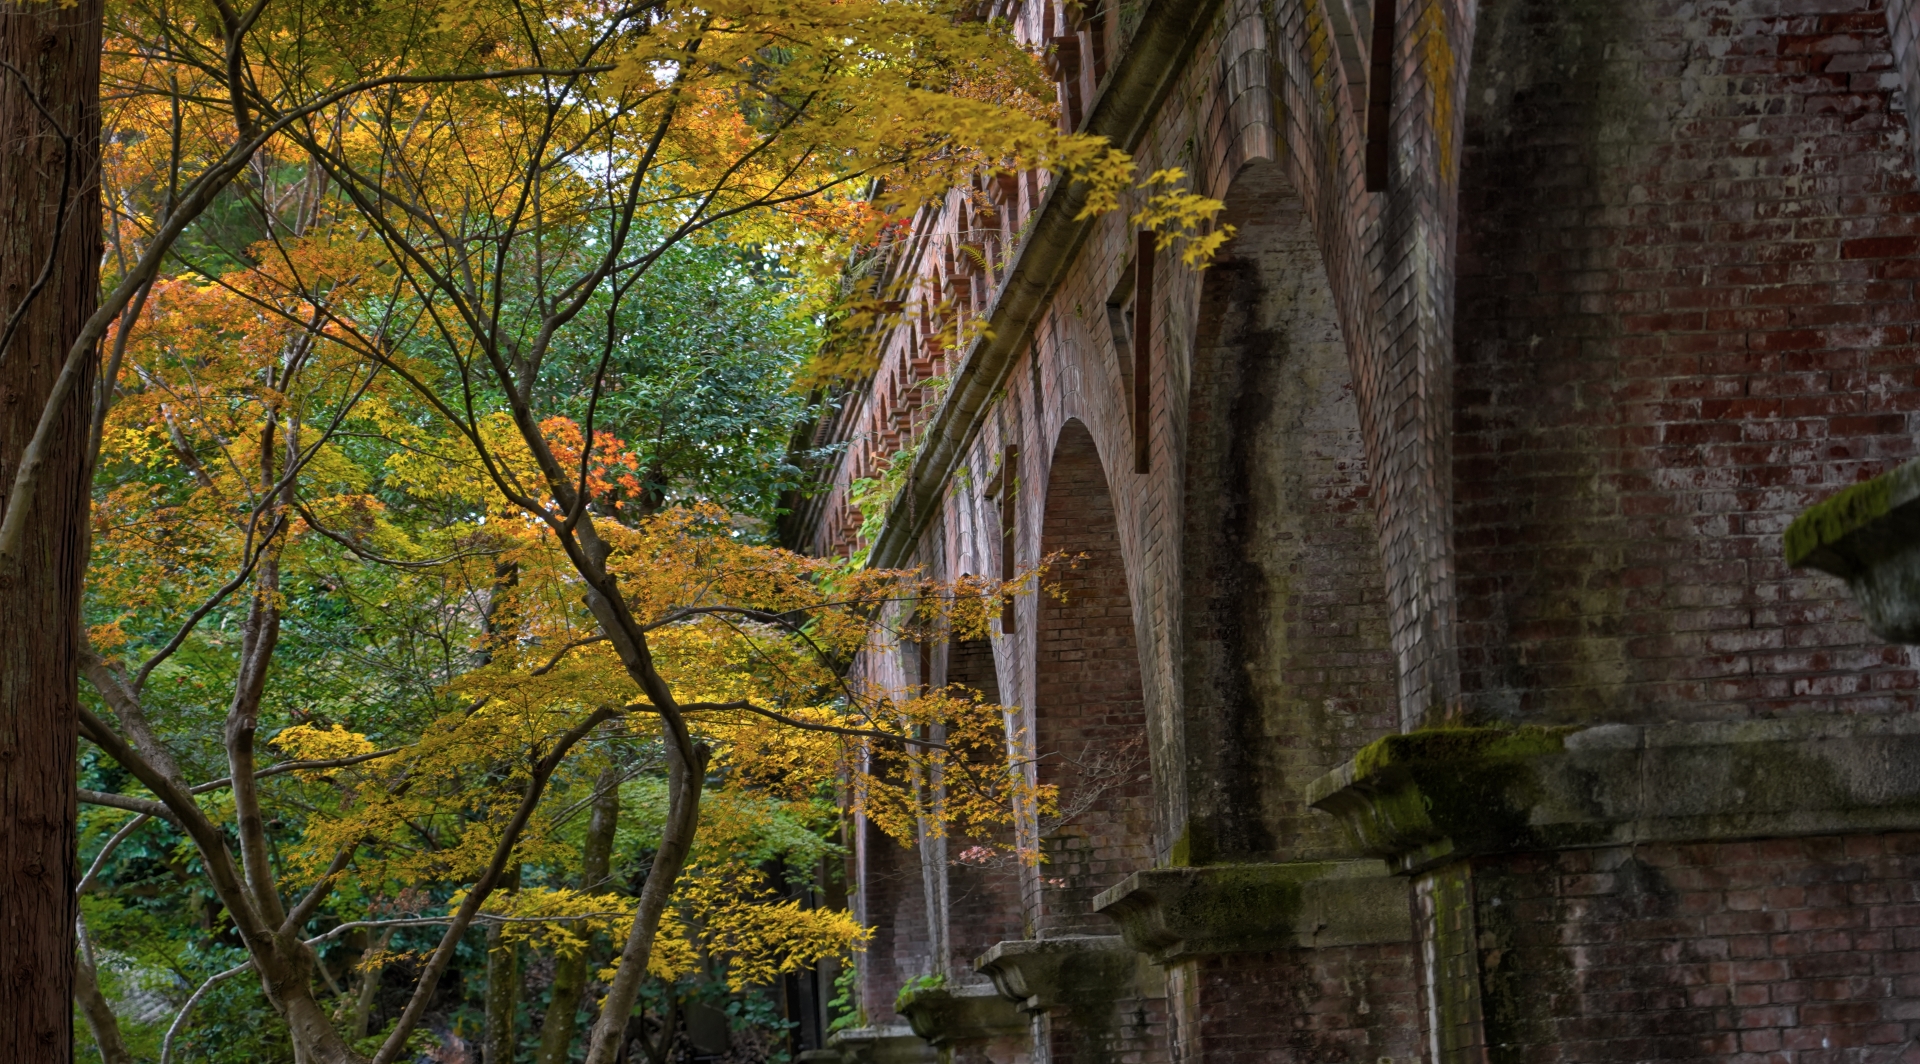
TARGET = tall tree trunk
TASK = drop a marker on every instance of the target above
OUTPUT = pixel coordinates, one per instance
(503, 987)
(49, 282)
(570, 974)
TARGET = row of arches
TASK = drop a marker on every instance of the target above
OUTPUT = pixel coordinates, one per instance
(1269, 597)
(1266, 606)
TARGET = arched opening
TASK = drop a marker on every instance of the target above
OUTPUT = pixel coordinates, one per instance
(1286, 666)
(983, 881)
(1090, 728)
(892, 900)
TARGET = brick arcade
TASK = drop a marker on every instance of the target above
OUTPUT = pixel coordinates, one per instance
(1434, 678)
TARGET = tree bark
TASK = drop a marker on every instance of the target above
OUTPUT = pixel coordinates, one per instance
(369, 987)
(49, 286)
(684, 779)
(93, 1004)
(503, 986)
(570, 974)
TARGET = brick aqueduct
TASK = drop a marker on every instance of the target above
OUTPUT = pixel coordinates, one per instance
(1434, 687)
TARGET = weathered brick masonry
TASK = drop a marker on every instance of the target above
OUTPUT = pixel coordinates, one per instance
(1477, 714)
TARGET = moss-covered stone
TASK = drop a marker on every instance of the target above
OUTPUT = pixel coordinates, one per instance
(1422, 799)
(1457, 746)
(945, 1014)
(1854, 509)
(1869, 535)
(1173, 913)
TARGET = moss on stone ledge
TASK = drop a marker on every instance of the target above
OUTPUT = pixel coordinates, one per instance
(1828, 522)
(1459, 745)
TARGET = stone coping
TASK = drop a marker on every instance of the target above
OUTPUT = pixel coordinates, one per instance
(894, 1044)
(1075, 971)
(944, 1015)
(1171, 914)
(1426, 797)
(1869, 536)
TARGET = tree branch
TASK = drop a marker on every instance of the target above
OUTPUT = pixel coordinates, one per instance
(436, 966)
(143, 806)
(807, 725)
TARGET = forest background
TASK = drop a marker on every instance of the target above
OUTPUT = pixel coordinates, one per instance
(442, 685)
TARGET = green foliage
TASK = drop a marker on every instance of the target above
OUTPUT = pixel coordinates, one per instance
(873, 497)
(917, 985)
(844, 1005)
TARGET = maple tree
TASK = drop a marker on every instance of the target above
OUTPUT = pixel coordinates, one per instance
(364, 528)
(397, 374)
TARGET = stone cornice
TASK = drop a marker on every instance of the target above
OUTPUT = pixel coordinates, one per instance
(1154, 58)
(944, 1015)
(1427, 797)
(1070, 971)
(1869, 536)
(1172, 914)
(881, 1045)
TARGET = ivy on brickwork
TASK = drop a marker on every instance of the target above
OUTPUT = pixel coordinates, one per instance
(844, 1006)
(873, 498)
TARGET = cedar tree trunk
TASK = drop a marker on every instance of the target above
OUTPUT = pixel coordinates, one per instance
(49, 280)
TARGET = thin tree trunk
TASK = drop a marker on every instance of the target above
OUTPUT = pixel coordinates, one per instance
(570, 974)
(503, 986)
(49, 286)
(684, 780)
(369, 989)
(93, 1005)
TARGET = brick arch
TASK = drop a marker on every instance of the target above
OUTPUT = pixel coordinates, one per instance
(1090, 727)
(982, 873)
(1285, 657)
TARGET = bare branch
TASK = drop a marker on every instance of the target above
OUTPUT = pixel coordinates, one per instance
(106, 851)
(366, 555)
(143, 806)
(180, 1019)
(807, 725)
(299, 766)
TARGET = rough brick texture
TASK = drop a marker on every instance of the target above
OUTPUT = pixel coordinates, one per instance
(1287, 669)
(1511, 441)
(1349, 1005)
(1688, 238)
(1090, 726)
(1804, 950)
(891, 898)
(983, 888)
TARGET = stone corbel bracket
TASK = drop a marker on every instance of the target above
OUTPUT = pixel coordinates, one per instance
(945, 1015)
(1171, 914)
(1869, 536)
(1072, 971)
(882, 1045)
(1424, 798)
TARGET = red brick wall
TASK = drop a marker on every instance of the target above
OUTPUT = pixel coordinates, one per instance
(1344, 1005)
(1090, 730)
(1802, 950)
(1287, 669)
(1129, 1030)
(1686, 311)
(983, 893)
(1680, 311)
(892, 899)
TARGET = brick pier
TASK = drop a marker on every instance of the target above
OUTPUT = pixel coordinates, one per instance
(1433, 676)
